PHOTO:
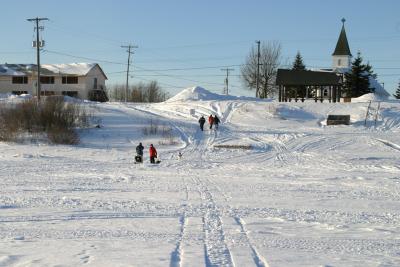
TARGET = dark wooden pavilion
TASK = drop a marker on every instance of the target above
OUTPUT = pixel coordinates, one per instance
(303, 84)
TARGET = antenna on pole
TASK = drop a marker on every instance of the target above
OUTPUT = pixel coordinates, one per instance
(130, 52)
(38, 44)
(226, 89)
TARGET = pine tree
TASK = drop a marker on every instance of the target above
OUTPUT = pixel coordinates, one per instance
(298, 64)
(397, 94)
(357, 80)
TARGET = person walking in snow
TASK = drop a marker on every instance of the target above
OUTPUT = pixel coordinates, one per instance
(211, 121)
(216, 122)
(153, 153)
(139, 153)
(202, 120)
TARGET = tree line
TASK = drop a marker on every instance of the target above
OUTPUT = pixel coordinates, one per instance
(140, 92)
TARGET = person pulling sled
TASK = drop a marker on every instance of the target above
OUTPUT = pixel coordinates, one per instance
(139, 153)
(153, 154)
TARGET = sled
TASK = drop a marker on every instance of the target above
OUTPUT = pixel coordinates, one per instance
(138, 159)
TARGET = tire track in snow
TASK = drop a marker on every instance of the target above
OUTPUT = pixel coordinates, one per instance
(258, 259)
(177, 254)
(216, 249)
(389, 144)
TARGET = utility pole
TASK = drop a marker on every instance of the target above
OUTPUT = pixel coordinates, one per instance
(38, 45)
(226, 90)
(129, 63)
(258, 68)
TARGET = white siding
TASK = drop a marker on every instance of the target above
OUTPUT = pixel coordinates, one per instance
(85, 84)
(341, 62)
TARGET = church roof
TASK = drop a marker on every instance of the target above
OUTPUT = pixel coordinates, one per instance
(306, 77)
(342, 46)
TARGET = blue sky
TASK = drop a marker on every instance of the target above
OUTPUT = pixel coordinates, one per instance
(186, 43)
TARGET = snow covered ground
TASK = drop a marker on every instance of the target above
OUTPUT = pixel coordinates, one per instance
(306, 194)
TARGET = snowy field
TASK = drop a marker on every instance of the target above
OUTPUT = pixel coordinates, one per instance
(306, 194)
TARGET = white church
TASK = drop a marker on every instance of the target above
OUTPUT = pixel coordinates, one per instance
(323, 84)
(341, 63)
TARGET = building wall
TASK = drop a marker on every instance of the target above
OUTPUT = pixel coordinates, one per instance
(85, 84)
(6, 85)
(341, 62)
(89, 80)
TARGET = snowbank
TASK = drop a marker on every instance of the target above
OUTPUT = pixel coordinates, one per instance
(11, 96)
(199, 93)
(368, 97)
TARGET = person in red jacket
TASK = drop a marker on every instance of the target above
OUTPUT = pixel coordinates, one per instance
(153, 154)
(211, 121)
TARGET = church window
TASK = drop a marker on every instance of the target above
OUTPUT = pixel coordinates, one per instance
(339, 62)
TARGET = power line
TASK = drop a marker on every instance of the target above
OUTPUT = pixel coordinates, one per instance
(86, 58)
(193, 68)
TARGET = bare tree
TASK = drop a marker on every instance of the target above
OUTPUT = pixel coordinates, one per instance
(140, 92)
(270, 60)
(153, 92)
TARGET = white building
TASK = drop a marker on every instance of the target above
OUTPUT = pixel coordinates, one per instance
(341, 63)
(75, 79)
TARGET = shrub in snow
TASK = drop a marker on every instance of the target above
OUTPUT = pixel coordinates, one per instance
(52, 116)
(63, 136)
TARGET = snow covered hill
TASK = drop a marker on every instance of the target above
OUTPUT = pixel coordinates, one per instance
(305, 194)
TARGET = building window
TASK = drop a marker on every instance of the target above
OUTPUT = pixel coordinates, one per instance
(339, 62)
(95, 83)
(70, 93)
(47, 93)
(19, 92)
(47, 79)
(69, 79)
(20, 79)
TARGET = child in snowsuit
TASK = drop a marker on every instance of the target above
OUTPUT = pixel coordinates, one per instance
(153, 153)
(211, 121)
(202, 120)
(216, 122)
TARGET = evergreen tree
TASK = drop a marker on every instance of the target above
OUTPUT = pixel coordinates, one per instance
(357, 80)
(368, 68)
(397, 94)
(298, 64)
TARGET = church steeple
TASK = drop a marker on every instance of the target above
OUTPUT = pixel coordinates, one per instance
(342, 46)
(342, 55)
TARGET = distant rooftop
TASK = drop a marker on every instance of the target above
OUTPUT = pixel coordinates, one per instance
(78, 69)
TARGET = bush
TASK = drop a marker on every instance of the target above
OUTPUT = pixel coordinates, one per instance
(63, 136)
(8, 126)
(53, 116)
(98, 95)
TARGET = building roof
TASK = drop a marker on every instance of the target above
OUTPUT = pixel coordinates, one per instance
(342, 46)
(77, 69)
(306, 77)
